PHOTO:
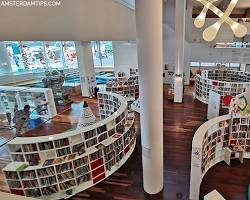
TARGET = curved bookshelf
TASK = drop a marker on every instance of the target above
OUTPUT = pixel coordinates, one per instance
(212, 143)
(59, 166)
(224, 82)
(127, 86)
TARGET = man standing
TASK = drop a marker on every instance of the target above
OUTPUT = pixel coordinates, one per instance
(21, 118)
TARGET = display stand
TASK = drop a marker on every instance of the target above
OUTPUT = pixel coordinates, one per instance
(214, 195)
(220, 139)
(87, 117)
(59, 166)
(225, 83)
(55, 81)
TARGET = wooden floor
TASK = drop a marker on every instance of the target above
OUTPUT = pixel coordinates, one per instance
(66, 119)
(180, 124)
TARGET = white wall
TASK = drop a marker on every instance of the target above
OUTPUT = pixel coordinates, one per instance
(201, 52)
(83, 20)
(125, 56)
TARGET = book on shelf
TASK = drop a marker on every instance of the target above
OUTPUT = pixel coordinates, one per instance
(65, 176)
(49, 190)
(89, 134)
(14, 184)
(33, 192)
(81, 161)
(102, 137)
(108, 149)
(67, 185)
(63, 167)
(48, 181)
(61, 143)
(33, 159)
(79, 149)
(82, 170)
(59, 160)
(30, 184)
(109, 156)
(110, 164)
(63, 151)
(11, 175)
(111, 132)
(48, 162)
(101, 129)
(28, 174)
(49, 171)
(17, 157)
(96, 155)
(100, 146)
(117, 135)
(71, 157)
(29, 147)
(91, 142)
(84, 178)
(46, 145)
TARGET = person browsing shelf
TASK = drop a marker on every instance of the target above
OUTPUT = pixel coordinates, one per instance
(21, 118)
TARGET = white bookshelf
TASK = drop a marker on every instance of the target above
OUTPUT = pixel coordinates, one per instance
(11, 96)
(73, 161)
(223, 82)
(210, 143)
(126, 86)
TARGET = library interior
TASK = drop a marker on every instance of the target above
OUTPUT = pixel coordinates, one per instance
(125, 100)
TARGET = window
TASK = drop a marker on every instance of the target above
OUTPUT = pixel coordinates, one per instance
(205, 64)
(53, 54)
(37, 56)
(195, 64)
(103, 53)
(237, 65)
(14, 52)
(69, 52)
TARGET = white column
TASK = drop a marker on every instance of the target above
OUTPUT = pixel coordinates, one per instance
(180, 12)
(150, 61)
(243, 67)
(86, 68)
(4, 59)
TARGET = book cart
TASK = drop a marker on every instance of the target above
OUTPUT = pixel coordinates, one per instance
(67, 163)
(220, 139)
(224, 82)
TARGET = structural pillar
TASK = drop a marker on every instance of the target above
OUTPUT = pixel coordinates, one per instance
(180, 13)
(150, 61)
(86, 68)
(4, 59)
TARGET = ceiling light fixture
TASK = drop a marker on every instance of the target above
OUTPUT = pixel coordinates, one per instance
(210, 33)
